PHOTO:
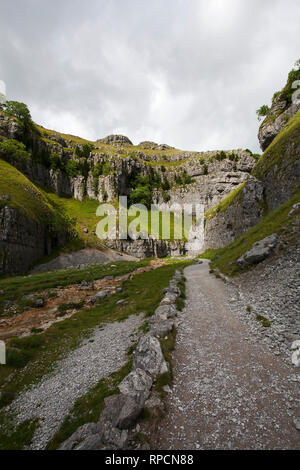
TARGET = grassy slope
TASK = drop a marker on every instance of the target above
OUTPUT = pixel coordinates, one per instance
(276, 222)
(84, 213)
(24, 195)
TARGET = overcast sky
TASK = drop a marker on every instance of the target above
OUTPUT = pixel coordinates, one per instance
(189, 73)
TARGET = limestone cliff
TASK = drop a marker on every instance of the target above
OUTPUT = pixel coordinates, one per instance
(282, 110)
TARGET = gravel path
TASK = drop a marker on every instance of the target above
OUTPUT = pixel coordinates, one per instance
(97, 357)
(228, 393)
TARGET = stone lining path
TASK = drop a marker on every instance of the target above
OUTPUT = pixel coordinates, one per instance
(228, 393)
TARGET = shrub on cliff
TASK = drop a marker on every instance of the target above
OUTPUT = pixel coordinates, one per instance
(22, 113)
(262, 111)
(14, 152)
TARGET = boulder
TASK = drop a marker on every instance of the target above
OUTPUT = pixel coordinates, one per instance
(100, 296)
(296, 354)
(259, 251)
(164, 311)
(168, 299)
(79, 436)
(162, 328)
(137, 385)
(96, 436)
(121, 411)
(295, 208)
(148, 355)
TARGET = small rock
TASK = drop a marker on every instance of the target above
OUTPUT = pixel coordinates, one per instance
(100, 296)
(39, 303)
(296, 422)
(295, 345)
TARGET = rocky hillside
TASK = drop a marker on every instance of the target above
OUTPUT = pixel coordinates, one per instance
(236, 188)
(113, 166)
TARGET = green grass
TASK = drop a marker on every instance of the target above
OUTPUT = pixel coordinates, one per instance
(15, 438)
(264, 321)
(25, 197)
(180, 301)
(84, 215)
(277, 221)
(223, 205)
(87, 409)
(16, 287)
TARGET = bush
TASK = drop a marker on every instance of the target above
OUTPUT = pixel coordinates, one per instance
(22, 113)
(84, 151)
(205, 169)
(141, 195)
(166, 197)
(221, 156)
(165, 184)
(14, 152)
(55, 162)
(73, 168)
(262, 111)
(107, 169)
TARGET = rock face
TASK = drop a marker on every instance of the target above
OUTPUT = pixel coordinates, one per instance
(223, 227)
(149, 248)
(259, 251)
(23, 241)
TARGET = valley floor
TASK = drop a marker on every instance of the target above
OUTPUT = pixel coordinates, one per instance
(229, 392)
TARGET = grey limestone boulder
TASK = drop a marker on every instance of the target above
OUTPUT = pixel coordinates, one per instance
(148, 356)
(137, 385)
(259, 251)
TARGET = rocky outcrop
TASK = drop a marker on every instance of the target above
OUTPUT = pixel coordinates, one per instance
(226, 223)
(115, 139)
(279, 167)
(277, 118)
(149, 248)
(9, 127)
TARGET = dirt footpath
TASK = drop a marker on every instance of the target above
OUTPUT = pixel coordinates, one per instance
(228, 392)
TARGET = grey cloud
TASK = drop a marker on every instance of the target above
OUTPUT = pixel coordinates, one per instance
(188, 73)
